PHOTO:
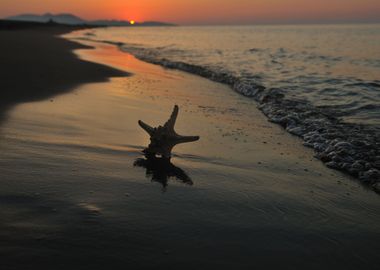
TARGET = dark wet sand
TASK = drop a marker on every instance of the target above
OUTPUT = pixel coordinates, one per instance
(71, 198)
(36, 64)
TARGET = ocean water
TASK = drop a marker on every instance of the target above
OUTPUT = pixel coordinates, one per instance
(320, 82)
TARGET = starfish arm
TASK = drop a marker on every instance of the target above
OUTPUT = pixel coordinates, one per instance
(146, 127)
(185, 139)
(171, 122)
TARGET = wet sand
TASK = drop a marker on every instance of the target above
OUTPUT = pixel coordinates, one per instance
(71, 197)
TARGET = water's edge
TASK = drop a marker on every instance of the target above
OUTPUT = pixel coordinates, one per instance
(351, 148)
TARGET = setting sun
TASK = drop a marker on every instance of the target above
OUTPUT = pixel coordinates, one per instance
(132, 22)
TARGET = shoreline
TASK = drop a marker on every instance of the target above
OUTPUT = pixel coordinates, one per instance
(337, 144)
(37, 64)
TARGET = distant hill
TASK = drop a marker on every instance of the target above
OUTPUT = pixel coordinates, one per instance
(74, 20)
(57, 18)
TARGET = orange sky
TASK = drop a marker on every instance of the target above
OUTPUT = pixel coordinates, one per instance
(204, 11)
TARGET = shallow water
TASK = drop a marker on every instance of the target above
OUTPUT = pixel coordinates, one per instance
(71, 196)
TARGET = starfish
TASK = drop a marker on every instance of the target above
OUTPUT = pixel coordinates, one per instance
(164, 138)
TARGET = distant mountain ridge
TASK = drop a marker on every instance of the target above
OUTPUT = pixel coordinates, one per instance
(58, 18)
(71, 19)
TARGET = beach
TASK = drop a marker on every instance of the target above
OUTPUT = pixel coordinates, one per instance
(72, 195)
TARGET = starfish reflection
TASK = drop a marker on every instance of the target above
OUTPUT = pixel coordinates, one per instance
(160, 169)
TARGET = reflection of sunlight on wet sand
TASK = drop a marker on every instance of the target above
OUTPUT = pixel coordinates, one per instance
(114, 57)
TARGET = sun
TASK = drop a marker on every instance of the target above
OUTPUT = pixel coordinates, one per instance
(132, 22)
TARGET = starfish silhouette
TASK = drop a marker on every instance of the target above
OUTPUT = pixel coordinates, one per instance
(164, 138)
